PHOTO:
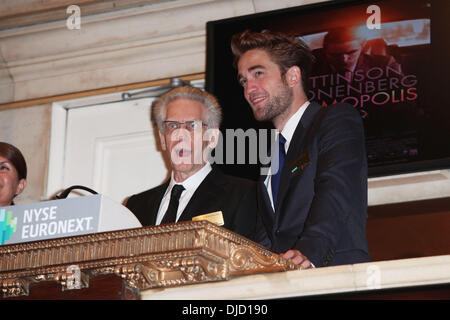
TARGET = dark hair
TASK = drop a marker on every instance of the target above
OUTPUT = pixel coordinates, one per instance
(15, 157)
(285, 50)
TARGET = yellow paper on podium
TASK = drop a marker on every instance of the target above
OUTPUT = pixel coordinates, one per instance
(214, 217)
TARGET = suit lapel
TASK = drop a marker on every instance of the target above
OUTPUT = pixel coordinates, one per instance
(264, 193)
(206, 192)
(296, 146)
(155, 201)
(265, 210)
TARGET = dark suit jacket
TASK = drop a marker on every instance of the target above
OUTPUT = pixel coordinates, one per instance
(235, 197)
(322, 199)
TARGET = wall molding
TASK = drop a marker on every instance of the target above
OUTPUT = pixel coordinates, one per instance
(132, 45)
(96, 92)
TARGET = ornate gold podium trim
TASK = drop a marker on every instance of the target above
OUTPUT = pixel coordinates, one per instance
(161, 256)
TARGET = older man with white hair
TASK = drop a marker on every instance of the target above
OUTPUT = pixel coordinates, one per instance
(188, 122)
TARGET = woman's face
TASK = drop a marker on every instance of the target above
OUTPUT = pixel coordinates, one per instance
(10, 185)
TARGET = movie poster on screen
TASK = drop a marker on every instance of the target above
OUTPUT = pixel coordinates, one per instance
(381, 72)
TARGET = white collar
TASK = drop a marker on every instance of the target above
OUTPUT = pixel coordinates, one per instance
(193, 181)
(291, 125)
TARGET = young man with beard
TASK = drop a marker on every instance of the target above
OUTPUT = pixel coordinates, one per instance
(313, 208)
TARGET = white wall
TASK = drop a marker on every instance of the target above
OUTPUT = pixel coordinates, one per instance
(139, 44)
(29, 130)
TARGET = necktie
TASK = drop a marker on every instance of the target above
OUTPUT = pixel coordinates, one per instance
(275, 181)
(171, 213)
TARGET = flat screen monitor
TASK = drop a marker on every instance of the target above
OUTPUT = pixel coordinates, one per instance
(398, 80)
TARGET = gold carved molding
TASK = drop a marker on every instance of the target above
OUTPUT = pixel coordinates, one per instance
(150, 257)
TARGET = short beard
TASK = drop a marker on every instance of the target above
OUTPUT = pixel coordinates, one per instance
(278, 104)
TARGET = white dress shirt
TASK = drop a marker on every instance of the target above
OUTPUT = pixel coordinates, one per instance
(190, 185)
(288, 133)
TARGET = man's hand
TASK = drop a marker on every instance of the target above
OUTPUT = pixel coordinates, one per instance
(296, 257)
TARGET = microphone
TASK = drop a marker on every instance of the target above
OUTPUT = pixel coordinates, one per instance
(66, 192)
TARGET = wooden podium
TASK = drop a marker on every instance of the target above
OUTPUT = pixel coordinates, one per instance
(119, 264)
